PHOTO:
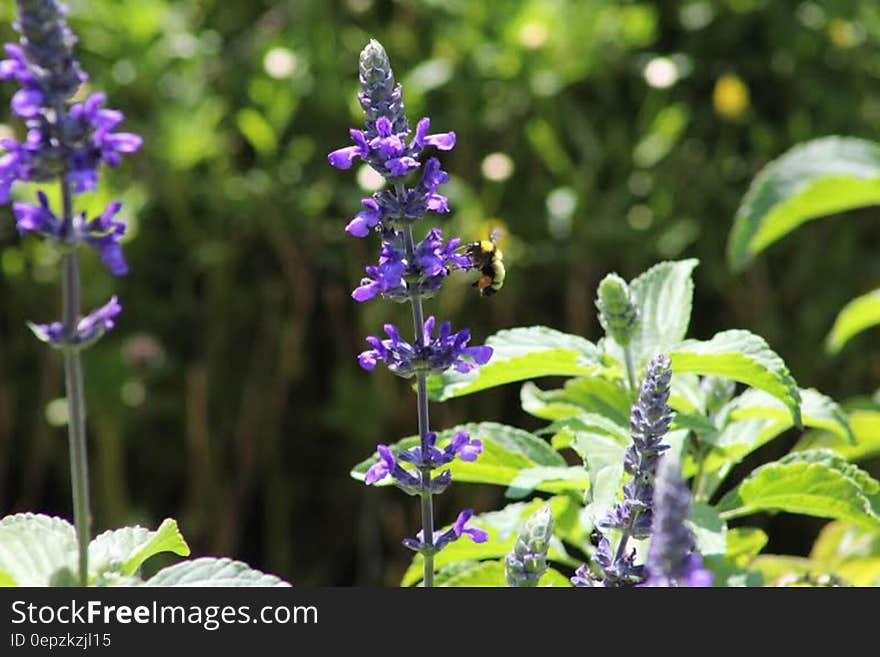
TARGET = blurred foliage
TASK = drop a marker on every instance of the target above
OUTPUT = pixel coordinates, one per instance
(601, 135)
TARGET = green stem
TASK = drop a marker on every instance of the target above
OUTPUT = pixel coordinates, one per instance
(76, 407)
(422, 401)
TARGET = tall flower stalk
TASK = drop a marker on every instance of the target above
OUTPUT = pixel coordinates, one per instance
(672, 556)
(632, 517)
(65, 144)
(410, 271)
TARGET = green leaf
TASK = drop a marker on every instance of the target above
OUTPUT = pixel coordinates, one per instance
(597, 395)
(710, 530)
(664, 296)
(490, 573)
(817, 410)
(603, 460)
(815, 483)
(858, 315)
(741, 356)
(125, 550)
(812, 180)
(503, 528)
(521, 354)
(507, 452)
(865, 424)
(839, 542)
(744, 544)
(34, 548)
(209, 571)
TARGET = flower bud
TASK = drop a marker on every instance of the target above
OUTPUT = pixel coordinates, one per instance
(617, 310)
(528, 560)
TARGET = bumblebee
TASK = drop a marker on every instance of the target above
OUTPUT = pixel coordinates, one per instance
(489, 259)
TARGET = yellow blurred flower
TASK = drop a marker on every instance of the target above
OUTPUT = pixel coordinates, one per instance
(730, 97)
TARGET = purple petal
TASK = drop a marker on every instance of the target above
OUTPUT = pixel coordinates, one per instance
(26, 102)
(383, 126)
(481, 354)
(476, 534)
(365, 291)
(444, 141)
(367, 359)
(124, 142)
(470, 451)
(400, 166)
(343, 157)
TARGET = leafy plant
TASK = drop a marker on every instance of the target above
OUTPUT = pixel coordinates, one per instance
(812, 180)
(731, 394)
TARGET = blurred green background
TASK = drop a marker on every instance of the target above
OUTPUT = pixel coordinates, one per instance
(600, 135)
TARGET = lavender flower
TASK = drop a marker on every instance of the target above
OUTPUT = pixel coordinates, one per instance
(66, 145)
(88, 329)
(672, 559)
(414, 481)
(410, 271)
(442, 539)
(397, 279)
(430, 354)
(632, 516)
(527, 562)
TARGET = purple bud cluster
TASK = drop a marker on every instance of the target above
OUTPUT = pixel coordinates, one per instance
(409, 271)
(62, 142)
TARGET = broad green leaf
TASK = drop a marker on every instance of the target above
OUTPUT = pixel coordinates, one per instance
(743, 357)
(839, 542)
(865, 424)
(815, 483)
(34, 548)
(491, 573)
(592, 395)
(781, 569)
(209, 571)
(664, 295)
(124, 550)
(552, 479)
(744, 544)
(860, 572)
(521, 354)
(710, 531)
(603, 460)
(503, 528)
(815, 179)
(507, 452)
(686, 395)
(590, 423)
(858, 315)
(817, 411)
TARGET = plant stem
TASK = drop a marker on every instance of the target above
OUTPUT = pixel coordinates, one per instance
(76, 407)
(422, 401)
(630, 369)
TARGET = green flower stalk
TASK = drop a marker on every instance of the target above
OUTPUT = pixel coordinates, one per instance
(619, 316)
(527, 562)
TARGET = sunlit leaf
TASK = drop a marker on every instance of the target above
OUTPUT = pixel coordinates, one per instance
(812, 180)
